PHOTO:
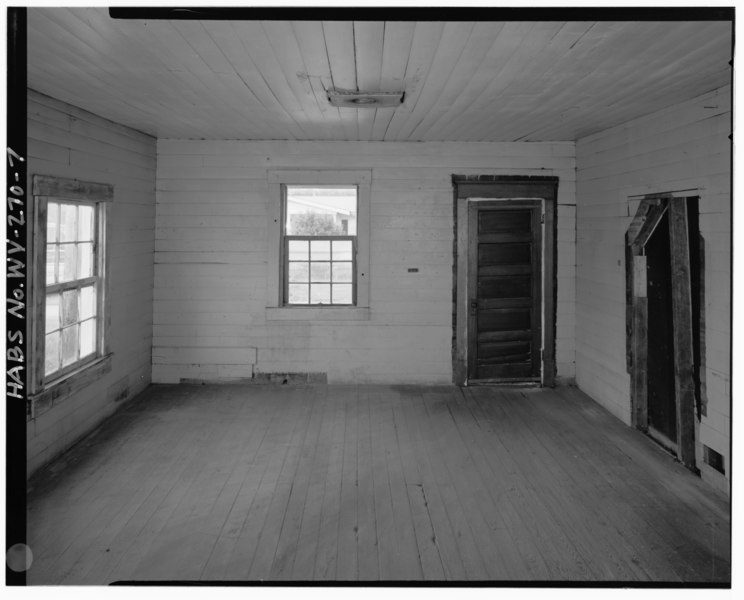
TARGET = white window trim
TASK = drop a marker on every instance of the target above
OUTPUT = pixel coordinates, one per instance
(275, 311)
(45, 391)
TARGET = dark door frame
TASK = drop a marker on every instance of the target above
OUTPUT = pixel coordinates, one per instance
(650, 212)
(468, 188)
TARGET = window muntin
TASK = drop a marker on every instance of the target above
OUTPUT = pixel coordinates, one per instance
(320, 245)
(72, 287)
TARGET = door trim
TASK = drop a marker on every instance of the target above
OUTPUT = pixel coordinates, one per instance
(512, 189)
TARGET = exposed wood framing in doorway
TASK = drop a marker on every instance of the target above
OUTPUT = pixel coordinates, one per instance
(647, 218)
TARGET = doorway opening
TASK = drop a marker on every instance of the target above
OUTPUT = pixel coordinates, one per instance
(663, 271)
(662, 411)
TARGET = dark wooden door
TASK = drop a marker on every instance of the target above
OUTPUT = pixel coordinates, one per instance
(504, 300)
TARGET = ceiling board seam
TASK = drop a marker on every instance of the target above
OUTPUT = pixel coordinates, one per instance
(423, 80)
(535, 59)
(412, 130)
(399, 116)
(500, 92)
(328, 56)
(85, 73)
(383, 118)
(301, 100)
(457, 66)
(356, 56)
(310, 37)
(461, 99)
(282, 108)
(628, 72)
(245, 114)
(382, 51)
(405, 72)
(369, 44)
(357, 115)
(582, 36)
(230, 34)
(318, 98)
(661, 88)
(378, 114)
(342, 79)
(448, 129)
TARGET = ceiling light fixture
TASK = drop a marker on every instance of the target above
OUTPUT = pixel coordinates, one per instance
(348, 99)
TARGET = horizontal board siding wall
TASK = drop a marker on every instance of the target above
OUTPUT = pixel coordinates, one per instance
(211, 261)
(68, 142)
(683, 147)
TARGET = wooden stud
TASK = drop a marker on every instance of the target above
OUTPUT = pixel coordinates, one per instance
(703, 399)
(683, 336)
(628, 305)
(655, 211)
(639, 276)
(639, 380)
(639, 341)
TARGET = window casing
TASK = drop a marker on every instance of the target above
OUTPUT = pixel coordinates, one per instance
(278, 306)
(319, 245)
(69, 284)
(73, 285)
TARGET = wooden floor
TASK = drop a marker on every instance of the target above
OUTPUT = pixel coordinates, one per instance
(372, 483)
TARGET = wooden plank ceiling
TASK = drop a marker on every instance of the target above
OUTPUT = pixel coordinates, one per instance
(463, 81)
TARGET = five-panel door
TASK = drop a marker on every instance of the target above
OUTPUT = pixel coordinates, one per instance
(505, 295)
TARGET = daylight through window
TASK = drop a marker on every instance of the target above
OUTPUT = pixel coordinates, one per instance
(72, 286)
(320, 244)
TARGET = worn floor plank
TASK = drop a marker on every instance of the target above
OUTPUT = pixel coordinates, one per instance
(346, 562)
(365, 483)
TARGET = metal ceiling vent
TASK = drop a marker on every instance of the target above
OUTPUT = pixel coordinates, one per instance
(348, 99)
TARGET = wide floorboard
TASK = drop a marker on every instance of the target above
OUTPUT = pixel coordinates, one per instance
(372, 483)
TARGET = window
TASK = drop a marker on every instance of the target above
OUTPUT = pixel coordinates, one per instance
(69, 279)
(317, 243)
(72, 286)
(319, 247)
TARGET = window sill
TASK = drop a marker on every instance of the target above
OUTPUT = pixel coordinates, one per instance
(317, 313)
(58, 390)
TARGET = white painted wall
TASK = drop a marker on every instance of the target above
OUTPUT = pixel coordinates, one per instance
(68, 142)
(682, 147)
(211, 259)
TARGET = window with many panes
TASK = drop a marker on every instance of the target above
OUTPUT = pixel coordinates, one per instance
(69, 278)
(320, 245)
(72, 282)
